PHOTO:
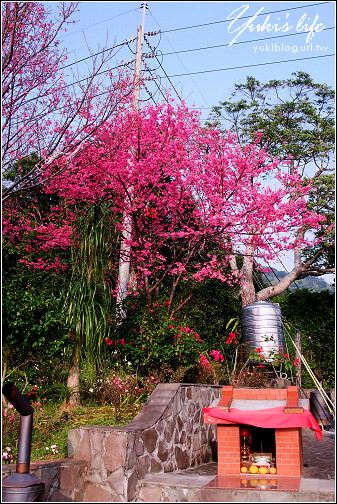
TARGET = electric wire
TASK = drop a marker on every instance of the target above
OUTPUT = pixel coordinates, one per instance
(161, 66)
(251, 66)
(77, 82)
(93, 55)
(127, 42)
(244, 17)
(278, 258)
(238, 43)
(159, 89)
(196, 49)
(100, 22)
(195, 85)
(201, 72)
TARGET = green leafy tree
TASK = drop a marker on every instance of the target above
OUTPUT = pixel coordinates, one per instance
(296, 116)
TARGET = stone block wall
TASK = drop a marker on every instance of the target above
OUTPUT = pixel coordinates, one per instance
(168, 434)
(59, 476)
(105, 464)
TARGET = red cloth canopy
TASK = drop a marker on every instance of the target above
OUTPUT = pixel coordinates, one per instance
(270, 418)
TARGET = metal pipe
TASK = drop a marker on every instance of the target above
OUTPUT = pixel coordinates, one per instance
(14, 396)
(21, 486)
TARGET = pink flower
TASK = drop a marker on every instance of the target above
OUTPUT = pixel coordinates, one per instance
(203, 360)
(217, 355)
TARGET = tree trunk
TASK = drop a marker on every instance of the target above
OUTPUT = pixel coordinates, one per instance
(73, 381)
(247, 292)
(247, 289)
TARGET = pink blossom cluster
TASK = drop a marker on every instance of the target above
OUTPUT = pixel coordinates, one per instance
(217, 355)
(204, 363)
(8, 456)
(5, 412)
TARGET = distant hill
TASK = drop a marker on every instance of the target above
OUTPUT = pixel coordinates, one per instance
(314, 284)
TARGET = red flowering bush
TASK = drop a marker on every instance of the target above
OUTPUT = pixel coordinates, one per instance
(238, 364)
(220, 366)
(153, 341)
(276, 360)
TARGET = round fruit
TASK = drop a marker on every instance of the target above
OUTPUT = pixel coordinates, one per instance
(253, 482)
(272, 470)
(263, 470)
(253, 469)
(264, 482)
(244, 469)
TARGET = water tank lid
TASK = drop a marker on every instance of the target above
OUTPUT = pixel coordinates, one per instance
(267, 303)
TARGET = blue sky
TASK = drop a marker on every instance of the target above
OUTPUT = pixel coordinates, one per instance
(204, 50)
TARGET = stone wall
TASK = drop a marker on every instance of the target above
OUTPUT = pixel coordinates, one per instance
(59, 476)
(105, 463)
(168, 434)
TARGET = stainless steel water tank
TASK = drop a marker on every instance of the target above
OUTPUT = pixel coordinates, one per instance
(262, 327)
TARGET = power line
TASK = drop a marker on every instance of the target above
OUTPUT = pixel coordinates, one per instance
(285, 269)
(238, 43)
(100, 22)
(154, 79)
(250, 66)
(161, 66)
(244, 17)
(126, 42)
(79, 81)
(96, 54)
(202, 96)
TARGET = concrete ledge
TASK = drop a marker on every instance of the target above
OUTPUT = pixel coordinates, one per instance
(161, 493)
(317, 485)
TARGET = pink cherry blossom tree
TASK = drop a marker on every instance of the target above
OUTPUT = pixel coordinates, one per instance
(41, 112)
(197, 201)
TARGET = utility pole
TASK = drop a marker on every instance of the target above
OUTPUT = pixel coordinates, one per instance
(125, 249)
(138, 61)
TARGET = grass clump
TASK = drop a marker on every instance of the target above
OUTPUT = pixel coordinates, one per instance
(110, 400)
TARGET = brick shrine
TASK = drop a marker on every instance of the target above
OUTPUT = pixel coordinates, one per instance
(287, 442)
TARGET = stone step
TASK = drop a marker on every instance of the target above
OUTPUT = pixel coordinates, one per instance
(184, 488)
